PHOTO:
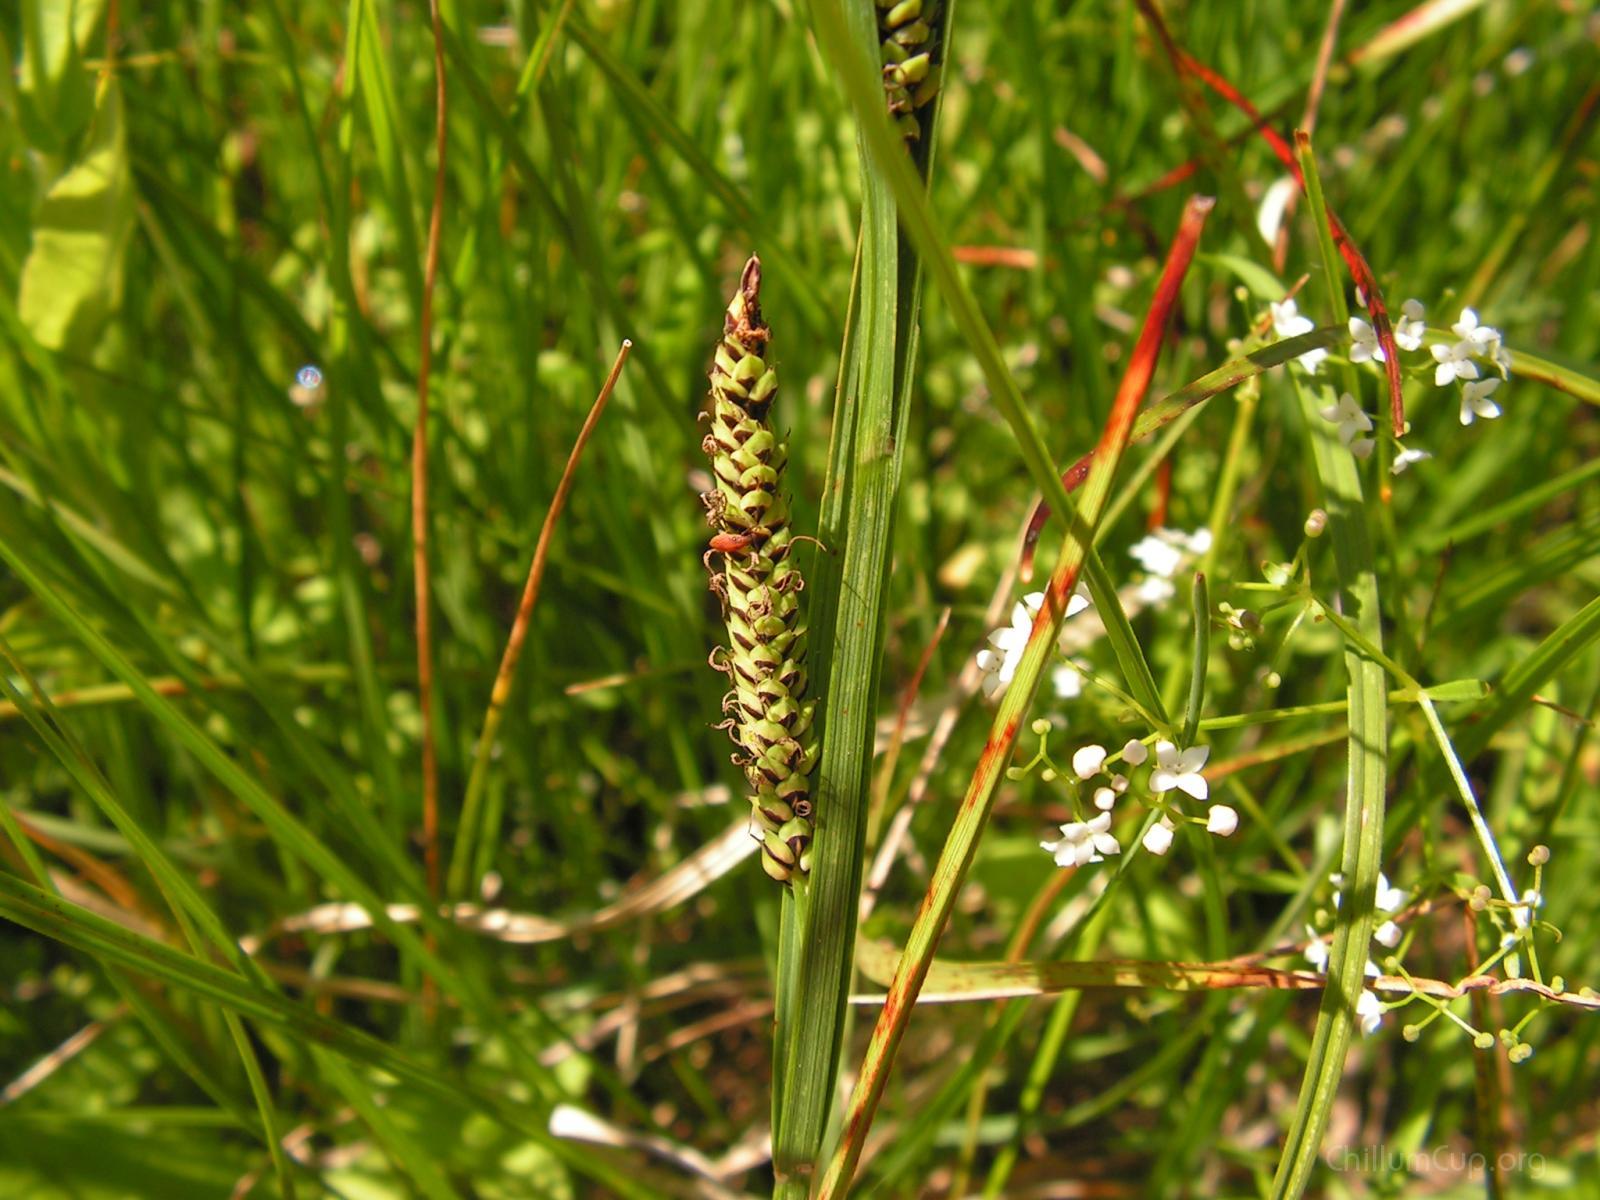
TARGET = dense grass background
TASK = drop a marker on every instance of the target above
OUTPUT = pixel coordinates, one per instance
(208, 573)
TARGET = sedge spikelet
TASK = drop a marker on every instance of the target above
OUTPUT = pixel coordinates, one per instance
(910, 43)
(769, 717)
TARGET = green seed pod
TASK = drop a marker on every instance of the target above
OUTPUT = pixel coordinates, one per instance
(909, 34)
(770, 716)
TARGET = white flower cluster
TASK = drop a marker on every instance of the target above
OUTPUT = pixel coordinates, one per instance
(1162, 554)
(1089, 841)
(1388, 901)
(1476, 344)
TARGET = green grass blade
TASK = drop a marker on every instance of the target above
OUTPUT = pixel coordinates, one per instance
(866, 473)
(1367, 768)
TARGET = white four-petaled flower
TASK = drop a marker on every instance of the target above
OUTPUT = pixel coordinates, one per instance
(1352, 421)
(1408, 330)
(1364, 345)
(1180, 769)
(1484, 339)
(1083, 842)
(999, 659)
(1454, 362)
(1475, 401)
(1406, 457)
(1287, 323)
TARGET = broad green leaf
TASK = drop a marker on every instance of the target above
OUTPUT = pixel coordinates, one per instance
(72, 278)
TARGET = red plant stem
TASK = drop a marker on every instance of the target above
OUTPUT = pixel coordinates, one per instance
(1186, 63)
(1163, 490)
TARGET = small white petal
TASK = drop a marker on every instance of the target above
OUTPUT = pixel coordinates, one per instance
(1087, 760)
(1311, 359)
(1362, 448)
(1104, 843)
(1158, 838)
(1162, 780)
(1387, 934)
(1405, 458)
(1364, 342)
(1134, 752)
(1269, 216)
(1193, 758)
(1369, 1011)
(1389, 898)
(1009, 639)
(1194, 785)
(1166, 754)
(1316, 950)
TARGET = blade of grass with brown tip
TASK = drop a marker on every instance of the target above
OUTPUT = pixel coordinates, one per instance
(463, 861)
